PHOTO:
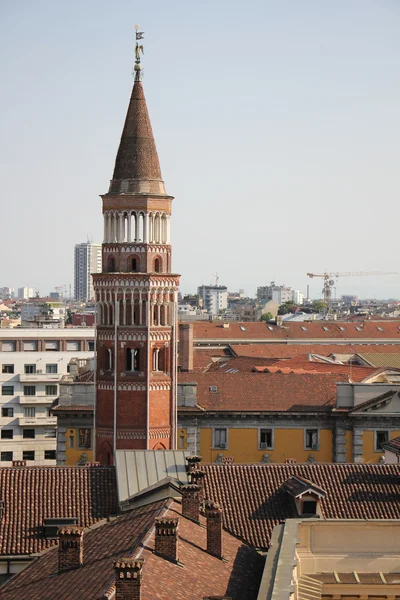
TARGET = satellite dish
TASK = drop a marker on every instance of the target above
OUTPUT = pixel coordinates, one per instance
(331, 282)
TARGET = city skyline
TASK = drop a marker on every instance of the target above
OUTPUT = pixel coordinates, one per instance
(300, 176)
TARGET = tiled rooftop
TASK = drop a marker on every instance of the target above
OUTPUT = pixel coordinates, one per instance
(284, 350)
(264, 391)
(255, 500)
(198, 575)
(32, 494)
(374, 330)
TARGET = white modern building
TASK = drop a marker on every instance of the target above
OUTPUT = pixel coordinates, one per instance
(25, 292)
(87, 261)
(297, 297)
(32, 363)
(215, 298)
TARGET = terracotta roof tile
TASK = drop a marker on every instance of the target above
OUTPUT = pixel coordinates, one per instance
(254, 498)
(102, 545)
(340, 330)
(393, 445)
(31, 494)
(268, 350)
(199, 574)
(72, 408)
(264, 391)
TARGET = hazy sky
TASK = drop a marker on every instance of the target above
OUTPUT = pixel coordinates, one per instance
(277, 125)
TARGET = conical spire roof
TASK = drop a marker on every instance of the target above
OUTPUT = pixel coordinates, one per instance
(137, 157)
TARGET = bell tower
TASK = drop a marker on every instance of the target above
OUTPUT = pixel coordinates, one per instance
(136, 297)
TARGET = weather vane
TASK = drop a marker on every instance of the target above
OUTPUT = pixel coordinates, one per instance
(138, 52)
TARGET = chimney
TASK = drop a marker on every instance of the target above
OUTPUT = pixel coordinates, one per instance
(191, 501)
(186, 346)
(19, 463)
(196, 476)
(192, 462)
(214, 528)
(166, 544)
(70, 547)
(128, 578)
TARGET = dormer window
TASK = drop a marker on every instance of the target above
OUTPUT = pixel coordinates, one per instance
(306, 495)
(309, 507)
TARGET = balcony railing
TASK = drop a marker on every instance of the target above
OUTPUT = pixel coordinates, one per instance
(30, 421)
(29, 378)
(35, 399)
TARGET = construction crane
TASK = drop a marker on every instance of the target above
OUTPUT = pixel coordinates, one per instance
(329, 282)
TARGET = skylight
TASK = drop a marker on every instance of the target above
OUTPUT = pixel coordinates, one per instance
(341, 328)
(325, 328)
(358, 328)
(213, 388)
(242, 328)
(379, 328)
(271, 328)
(303, 328)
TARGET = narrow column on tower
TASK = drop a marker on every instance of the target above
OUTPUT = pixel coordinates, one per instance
(136, 296)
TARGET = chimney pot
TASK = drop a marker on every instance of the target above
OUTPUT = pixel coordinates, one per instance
(193, 462)
(128, 578)
(70, 547)
(191, 501)
(166, 538)
(197, 477)
(19, 463)
(214, 528)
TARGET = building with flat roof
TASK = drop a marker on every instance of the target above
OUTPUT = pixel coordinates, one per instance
(32, 364)
(87, 261)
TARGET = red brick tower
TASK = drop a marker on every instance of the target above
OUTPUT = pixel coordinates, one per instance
(136, 296)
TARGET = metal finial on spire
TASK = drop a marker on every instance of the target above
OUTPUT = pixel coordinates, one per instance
(138, 51)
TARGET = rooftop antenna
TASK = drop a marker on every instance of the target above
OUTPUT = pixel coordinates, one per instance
(138, 52)
(216, 279)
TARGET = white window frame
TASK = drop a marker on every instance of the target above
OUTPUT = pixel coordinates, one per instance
(215, 447)
(318, 445)
(272, 438)
(376, 431)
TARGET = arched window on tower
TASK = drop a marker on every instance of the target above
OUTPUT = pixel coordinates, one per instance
(155, 315)
(133, 359)
(134, 265)
(109, 359)
(111, 264)
(157, 265)
(155, 359)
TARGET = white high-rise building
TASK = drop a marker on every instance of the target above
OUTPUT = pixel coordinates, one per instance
(215, 298)
(25, 292)
(87, 261)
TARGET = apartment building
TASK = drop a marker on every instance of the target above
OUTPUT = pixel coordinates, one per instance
(87, 260)
(32, 363)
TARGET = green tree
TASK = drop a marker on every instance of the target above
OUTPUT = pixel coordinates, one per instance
(267, 316)
(318, 305)
(287, 307)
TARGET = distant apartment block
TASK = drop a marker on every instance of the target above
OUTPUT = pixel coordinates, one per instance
(215, 298)
(6, 293)
(87, 261)
(25, 292)
(279, 293)
(32, 363)
(42, 313)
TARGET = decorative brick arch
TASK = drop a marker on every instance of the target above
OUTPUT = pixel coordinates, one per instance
(133, 263)
(106, 454)
(159, 446)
